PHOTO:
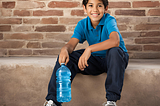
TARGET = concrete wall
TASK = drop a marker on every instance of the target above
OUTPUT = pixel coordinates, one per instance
(24, 82)
(42, 27)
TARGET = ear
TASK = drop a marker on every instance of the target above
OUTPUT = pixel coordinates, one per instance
(84, 8)
(106, 9)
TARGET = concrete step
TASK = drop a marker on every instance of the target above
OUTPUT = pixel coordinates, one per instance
(24, 82)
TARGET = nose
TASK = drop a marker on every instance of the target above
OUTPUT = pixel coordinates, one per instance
(95, 9)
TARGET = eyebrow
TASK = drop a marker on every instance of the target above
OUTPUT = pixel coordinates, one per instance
(92, 3)
(100, 3)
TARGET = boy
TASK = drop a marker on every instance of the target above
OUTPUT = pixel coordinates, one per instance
(106, 52)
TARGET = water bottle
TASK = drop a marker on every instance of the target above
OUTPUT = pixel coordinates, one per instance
(63, 83)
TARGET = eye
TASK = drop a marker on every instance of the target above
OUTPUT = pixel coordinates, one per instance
(90, 5)
(99, 5)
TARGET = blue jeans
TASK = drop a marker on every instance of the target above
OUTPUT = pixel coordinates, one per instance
(114, 64)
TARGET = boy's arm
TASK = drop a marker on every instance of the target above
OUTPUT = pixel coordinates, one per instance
(113, 41)
(67, 49)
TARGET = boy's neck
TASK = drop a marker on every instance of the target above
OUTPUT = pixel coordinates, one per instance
(94, 24)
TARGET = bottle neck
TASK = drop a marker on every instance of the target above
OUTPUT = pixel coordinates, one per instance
(62, 64)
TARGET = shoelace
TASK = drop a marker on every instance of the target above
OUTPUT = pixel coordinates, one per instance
(49, 103)
(109, 103)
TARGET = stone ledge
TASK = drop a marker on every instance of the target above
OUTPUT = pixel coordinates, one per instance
(50, 61)
(24, 81)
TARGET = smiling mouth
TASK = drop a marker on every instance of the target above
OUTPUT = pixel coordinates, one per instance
(95, 14)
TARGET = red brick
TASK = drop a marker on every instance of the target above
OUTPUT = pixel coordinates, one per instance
(22, 28)
(49, 28)
(53, 44)
(49, 21)
(130, 34)
(6, 12)
(11, 44)
(3, 52)
(77, 13)
(10, 20)
(48, 13)
(47, 52)
(1, 36)
(122, 27)
(33, 45)
(29, 4)
(129, 41)
(59, 36)
(62, 4)
(31, 21)
(154, 19)
(119, 5)
(137, 4)
(132, 20)
(5, 28)
(147, 40)
(147, 27)
(24, 36)
(154, 12)
(151, 47)
(8, 4)
(145, 55)
(69, 20)
(21, 13)
(130, 12)
(125, 20)
(134, 47)
(20, 52)
(150, 34)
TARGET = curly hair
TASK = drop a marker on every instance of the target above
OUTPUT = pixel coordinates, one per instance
(105, 2)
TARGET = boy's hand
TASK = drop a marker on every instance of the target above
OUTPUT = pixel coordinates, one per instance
(84, 58)
(64, 56)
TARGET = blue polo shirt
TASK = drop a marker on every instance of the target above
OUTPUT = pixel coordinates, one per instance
(84, 31)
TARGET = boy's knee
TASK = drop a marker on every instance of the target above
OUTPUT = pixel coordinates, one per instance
(114, 51)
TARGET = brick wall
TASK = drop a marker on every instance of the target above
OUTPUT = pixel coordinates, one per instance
(42, 27)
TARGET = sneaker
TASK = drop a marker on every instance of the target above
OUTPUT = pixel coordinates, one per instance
(49, 103)
(110, 103)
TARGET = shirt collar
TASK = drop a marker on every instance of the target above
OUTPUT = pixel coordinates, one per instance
(100, 23)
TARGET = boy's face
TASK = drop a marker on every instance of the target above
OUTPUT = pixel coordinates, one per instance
(95, 10)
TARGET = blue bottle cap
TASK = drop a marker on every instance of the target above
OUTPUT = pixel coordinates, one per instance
(62, 63)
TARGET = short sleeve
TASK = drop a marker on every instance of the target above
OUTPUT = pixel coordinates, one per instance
(112, 26)
(79, 33)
